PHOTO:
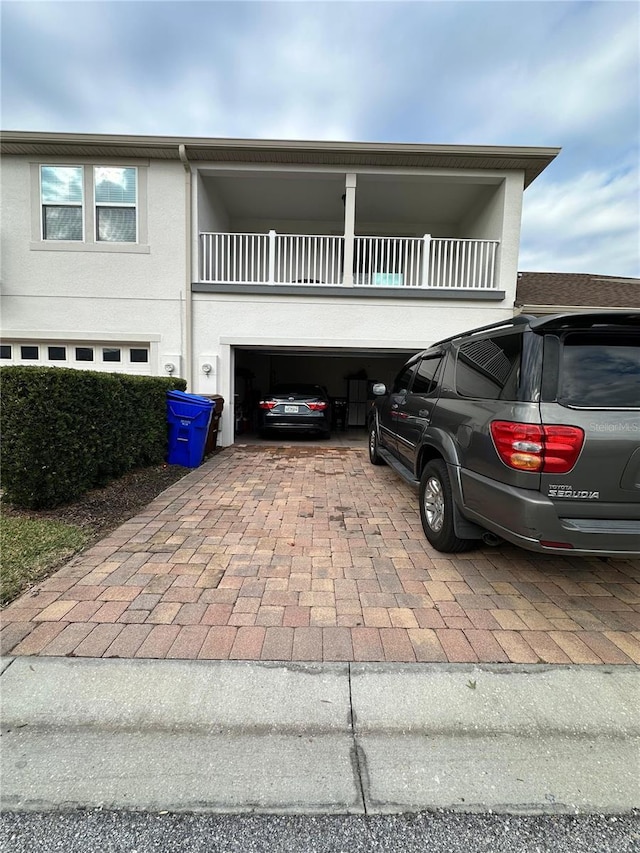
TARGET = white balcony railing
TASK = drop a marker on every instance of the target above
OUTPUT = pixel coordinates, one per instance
(230, 258)
(234, 258)
(303, 259)
(390, 261)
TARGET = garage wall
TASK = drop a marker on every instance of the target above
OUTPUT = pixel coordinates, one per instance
(225, 323)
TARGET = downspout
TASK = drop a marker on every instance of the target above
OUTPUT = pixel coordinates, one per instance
(188, 312)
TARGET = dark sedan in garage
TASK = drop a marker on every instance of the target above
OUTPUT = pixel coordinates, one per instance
(295, 408)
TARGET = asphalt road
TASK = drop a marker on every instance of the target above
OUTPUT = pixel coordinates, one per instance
(98, 831)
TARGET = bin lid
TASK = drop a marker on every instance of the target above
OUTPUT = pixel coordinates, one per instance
(217, 399)
(189, 398)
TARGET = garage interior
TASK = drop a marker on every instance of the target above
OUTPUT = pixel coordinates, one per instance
(347, 375)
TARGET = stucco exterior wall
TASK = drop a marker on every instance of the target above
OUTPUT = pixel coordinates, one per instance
(510, 247)
(212, 214)
(222, 322)
(498, 217)
(133, 294)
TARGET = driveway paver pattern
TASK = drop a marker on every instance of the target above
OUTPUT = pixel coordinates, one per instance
(311, 554)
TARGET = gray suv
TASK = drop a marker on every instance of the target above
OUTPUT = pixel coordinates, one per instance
(526, 431)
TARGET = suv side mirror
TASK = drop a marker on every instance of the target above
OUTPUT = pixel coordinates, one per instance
(379, 389)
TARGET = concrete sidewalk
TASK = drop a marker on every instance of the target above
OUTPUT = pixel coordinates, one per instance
(223, 736)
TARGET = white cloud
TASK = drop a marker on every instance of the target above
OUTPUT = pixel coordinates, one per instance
(578, 77)
(587, 224)
(284, 70)
(525, 73)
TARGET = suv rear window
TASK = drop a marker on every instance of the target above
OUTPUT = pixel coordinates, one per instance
(600, 371)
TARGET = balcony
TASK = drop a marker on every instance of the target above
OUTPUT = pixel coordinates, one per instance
(407, 263)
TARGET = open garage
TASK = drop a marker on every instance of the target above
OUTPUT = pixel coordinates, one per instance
(347, 375)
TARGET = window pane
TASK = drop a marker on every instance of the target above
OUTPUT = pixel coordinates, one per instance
(61, 184)
(57, 353)
(115, 186)
(489, 367)
(600, 371)
(424, 383)
(62, 223)
(110, 354)
(5, 351)
(116, 224)
(139, 355)
(403, 379)
(29, 353)
(84, 353)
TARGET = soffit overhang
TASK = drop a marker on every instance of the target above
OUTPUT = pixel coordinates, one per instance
(529, 160)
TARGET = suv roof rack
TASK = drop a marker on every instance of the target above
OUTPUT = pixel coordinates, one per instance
(553, 321)
(586, 320)
(519, 320)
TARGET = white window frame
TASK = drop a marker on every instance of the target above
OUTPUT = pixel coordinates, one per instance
(42, 204)
(95, 341)
(128, 205)
(49, 360)
(89, 242)
(114, 347)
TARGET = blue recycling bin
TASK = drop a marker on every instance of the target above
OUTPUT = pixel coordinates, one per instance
(188, 417)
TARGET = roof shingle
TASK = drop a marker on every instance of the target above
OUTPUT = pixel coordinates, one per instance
(577, 289)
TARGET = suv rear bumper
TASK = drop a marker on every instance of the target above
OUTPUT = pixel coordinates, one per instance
(527, 518)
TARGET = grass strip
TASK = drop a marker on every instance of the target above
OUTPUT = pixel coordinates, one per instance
(30, 548)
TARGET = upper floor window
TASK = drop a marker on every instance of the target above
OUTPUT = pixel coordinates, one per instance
(115, 198)
(62, 197)
(68, 214)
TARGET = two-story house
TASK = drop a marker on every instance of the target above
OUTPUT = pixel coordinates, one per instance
(238, 263)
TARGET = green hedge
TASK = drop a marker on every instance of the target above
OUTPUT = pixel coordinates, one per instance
(66, 431)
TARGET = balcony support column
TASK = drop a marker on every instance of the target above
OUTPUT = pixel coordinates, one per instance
(426, 252)
(272, 258)
(349, 227)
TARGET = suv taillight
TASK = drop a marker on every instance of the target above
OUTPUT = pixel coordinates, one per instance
(531, 447)
(317, 407)
(267, 404)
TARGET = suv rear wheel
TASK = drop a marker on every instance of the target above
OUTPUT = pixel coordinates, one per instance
(437, 508)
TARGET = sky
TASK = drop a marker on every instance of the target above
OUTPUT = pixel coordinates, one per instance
(480, 72)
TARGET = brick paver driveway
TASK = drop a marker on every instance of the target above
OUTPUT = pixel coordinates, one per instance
(281, 553)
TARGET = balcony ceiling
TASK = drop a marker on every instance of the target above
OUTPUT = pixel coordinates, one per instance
(317, 197)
